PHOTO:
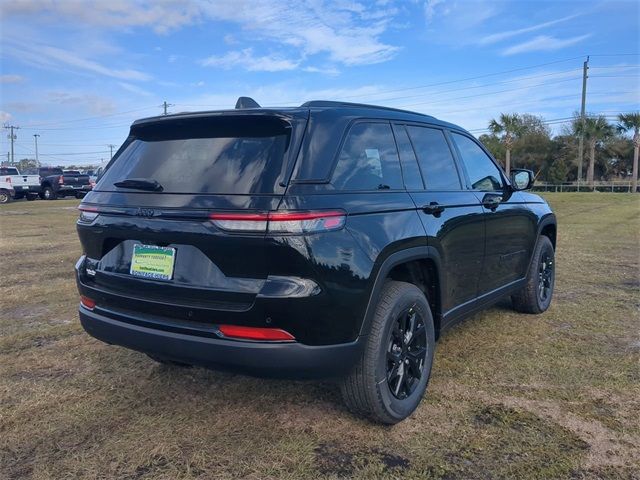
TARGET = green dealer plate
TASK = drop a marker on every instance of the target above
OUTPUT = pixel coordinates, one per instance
(149, 261)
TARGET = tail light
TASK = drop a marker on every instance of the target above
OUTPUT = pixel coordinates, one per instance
(87, 302)
(281, 221)
(87, 214)
(61, 179)
(256, 333)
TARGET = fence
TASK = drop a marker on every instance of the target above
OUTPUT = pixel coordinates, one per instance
(613, 187)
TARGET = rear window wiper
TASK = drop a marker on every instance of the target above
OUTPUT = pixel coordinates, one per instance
(140, 184)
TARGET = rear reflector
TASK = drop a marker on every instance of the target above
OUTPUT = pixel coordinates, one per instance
(256, 333)
(87, 302)
(281, 221)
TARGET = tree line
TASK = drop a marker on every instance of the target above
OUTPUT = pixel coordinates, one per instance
(526, 141)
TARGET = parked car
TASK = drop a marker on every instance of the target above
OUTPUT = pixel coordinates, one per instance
(24, 185)
(58, 183)
(6, 190)
(331, 239)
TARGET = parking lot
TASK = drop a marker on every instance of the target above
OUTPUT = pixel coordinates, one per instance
(512, 396)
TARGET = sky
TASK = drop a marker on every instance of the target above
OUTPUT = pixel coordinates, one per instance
(77, 73)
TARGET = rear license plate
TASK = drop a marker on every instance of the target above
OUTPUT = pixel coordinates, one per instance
(150, 261)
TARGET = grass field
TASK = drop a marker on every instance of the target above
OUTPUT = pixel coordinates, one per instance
(512, 396)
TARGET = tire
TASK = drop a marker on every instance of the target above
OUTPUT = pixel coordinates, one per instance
(32, 196)
(49, 194)
(372, 389)
(535, 296)
(5, 196)
(165, 361)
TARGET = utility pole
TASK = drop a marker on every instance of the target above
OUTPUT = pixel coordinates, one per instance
(165, 105)
(585, 67)
(35, 136)
(11, 137)
(111, 147)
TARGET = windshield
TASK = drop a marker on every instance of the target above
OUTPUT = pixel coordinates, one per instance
(221, 155)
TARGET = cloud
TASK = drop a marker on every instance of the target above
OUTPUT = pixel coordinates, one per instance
(497, 37)
(430, 8)
(247, 60)
(5, 116)
(349, 33)
(135, 89)
(544, 43)
(45, 56)
(162, 16)
(11, 79)
(94, 103)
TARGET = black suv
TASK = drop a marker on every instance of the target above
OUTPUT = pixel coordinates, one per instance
(331, 239)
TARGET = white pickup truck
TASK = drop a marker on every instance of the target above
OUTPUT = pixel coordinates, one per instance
(6, 190)
(23, 185)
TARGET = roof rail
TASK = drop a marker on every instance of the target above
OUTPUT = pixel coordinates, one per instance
(329, 104)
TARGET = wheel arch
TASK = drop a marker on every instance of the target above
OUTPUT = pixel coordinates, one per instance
(419, 266)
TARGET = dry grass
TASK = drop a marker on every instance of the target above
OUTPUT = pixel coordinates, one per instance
(512, 396)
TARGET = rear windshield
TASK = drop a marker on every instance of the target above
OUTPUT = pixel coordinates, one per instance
(8, 171)
(225, 155)
(51, 171)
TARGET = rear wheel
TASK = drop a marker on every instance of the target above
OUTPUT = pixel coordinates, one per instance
(391, 376)
(49, 194)
(5, 196)
(535, 296)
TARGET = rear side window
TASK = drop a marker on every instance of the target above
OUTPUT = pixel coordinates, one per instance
(223, 155)
(8, 171)
(435, 158)
(410, 171)
(483, 173)
(368, 159)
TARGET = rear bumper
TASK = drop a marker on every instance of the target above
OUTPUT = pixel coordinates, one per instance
(283, 359)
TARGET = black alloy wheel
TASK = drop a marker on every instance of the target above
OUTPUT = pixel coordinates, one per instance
(545, 277)
(406, 353)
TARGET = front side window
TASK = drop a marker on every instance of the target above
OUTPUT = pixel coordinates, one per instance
(368, 160)
(483, 173)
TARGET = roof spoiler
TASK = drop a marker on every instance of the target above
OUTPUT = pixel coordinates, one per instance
(246, 102)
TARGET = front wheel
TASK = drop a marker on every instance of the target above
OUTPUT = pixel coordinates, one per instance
(5, 196)
(535, 296)
(391, 376)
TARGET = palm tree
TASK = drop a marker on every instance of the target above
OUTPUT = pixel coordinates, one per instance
(631, 121)
(510, 126)
(595, 130)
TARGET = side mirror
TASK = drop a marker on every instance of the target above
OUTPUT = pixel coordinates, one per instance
(521, 179)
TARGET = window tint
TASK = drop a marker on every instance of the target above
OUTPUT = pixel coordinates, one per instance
(436, 161)
(483, 173)
(410, 171)
(368, 160)
(217, 155)
(8, 171)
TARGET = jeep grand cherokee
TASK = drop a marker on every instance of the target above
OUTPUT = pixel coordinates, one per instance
(331, 239)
